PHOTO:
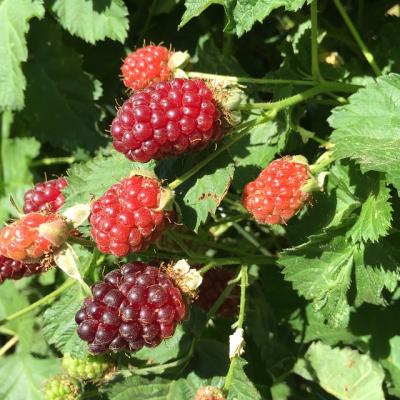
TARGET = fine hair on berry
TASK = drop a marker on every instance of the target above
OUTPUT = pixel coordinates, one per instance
(167, 119)
(276, 195)
(136, 305)
(129, 216)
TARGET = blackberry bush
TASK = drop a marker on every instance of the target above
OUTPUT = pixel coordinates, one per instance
(256, 140)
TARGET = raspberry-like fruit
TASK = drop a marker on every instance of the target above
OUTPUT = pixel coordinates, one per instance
(33, 236)
(61, 388)
(214, 282)
(145, 66)
(45, 196)
(136, 305)
(276, 195)
(167, 119)
(88, 368)
(11, 269)
(130, 215)
(209, 393)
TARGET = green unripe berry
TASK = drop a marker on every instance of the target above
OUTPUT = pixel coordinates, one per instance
(88, 368)
(61, 387)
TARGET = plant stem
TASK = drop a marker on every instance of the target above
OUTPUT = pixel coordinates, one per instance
(363, 47)
(181, 244)
(304, 133)
(44, 300)
(9, 345)
(243, 285)
(251, 239)
(52, 160)
(245, 79)
(242, 128)
(316, 74)
(82, 241)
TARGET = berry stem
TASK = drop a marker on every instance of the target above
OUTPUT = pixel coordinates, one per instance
(323, 161)
(251, 239)
(44, 300)
(242, 130)
(306, 134)
(82, 241)
(52, 161)
(240, 321)
(316, 74)
(245, 79)
(361, 44)
(8, 345)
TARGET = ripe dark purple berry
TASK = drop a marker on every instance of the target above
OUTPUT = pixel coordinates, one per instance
(136, 305)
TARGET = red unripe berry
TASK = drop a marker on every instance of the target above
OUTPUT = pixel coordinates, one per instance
(136, 305)
(33, 236)
(130, 216)
(145, 66)
(167, 119)
(11, 269)
(276, 195)
(45, 196)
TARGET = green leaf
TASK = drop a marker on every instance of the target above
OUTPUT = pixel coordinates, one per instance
(59, 326)
(344, 373)
(241, 388)
(242, 14)
(367, 131)
(375, 216)
(14, 18)
(91, 179)
(392, 364)
(202, 194)
(377, 267)
(65, 115)
(92, 21)
(25, 376)
(17, 155)
(11, 301)
(320, 270)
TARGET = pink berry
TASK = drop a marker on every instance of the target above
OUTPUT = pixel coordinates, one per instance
(167, 119)
(45, 196)
(128, 217)
(276, 195)
(136, 305)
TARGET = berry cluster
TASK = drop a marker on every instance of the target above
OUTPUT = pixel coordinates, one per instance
(45, 196)
(33, 236)
(276, 195)
(167, 119)
(136, 305)
(145, 66)
(130, 216)
(12, 269)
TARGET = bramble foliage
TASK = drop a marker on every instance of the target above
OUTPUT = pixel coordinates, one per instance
(319, 296)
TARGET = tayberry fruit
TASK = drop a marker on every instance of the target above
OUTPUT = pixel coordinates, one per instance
(145, 66)
(277, 194)
(130, 215)
(88, 368)
(61, 388)
(11, 269)
(45, 196)
(136, 305)
(214, 282)
(167, 119)
(33, 236)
